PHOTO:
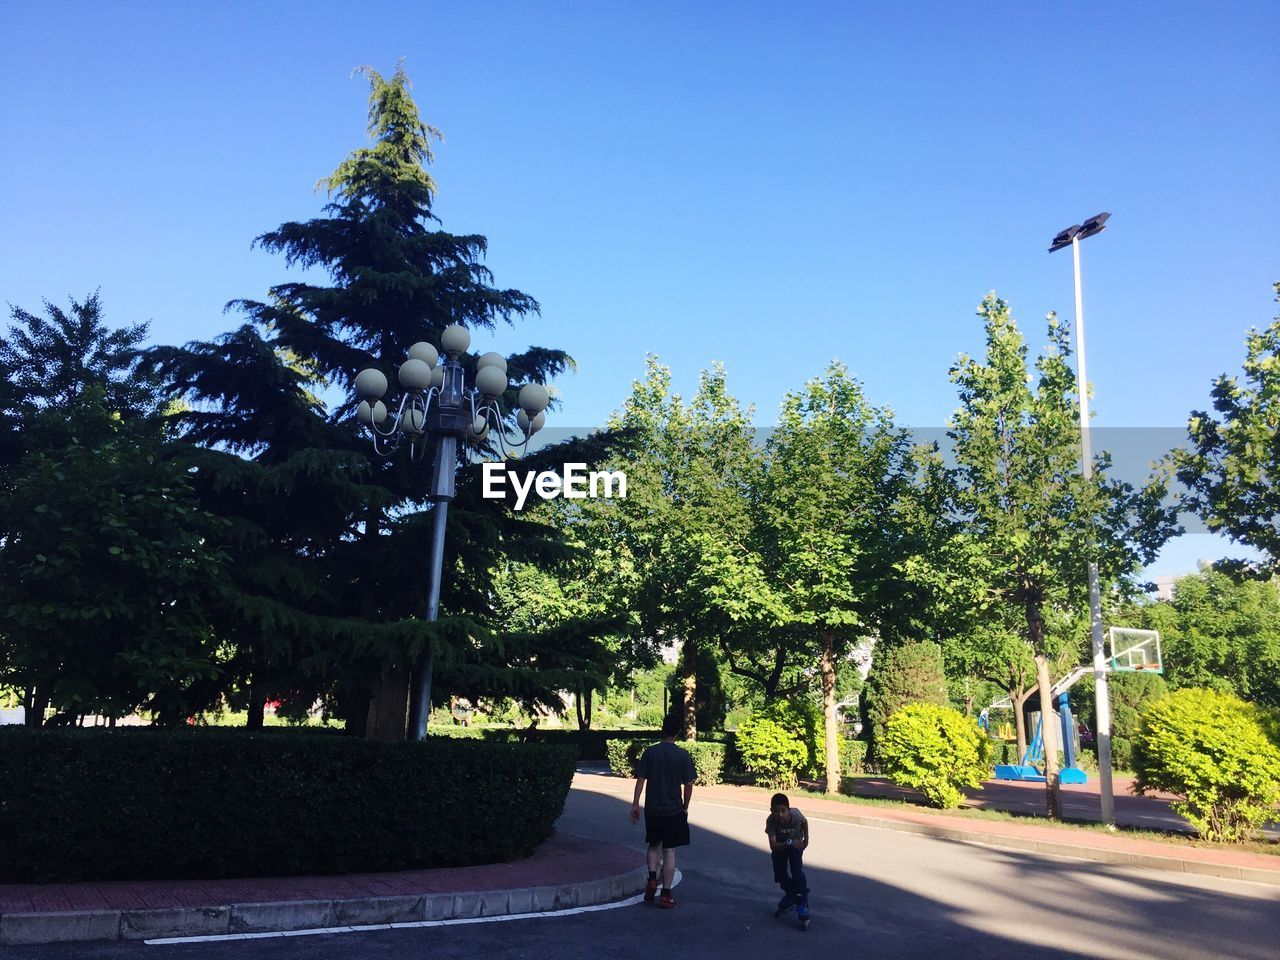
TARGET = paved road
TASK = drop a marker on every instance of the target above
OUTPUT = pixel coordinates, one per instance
(875, 894)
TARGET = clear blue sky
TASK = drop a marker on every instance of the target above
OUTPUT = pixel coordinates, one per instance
(710, 181)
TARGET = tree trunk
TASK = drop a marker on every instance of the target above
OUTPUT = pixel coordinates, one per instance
(690, 690)
(1044, 682)
(257, 707)
(1018, 698)
(36, 708)
(1048, 735)
(583, 704)
(829, 710)
(389, 706)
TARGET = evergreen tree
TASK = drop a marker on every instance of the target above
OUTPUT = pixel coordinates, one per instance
(394, 280)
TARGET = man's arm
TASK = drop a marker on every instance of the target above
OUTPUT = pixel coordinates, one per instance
(688, 795)
(635, 800)
(804, 837)
(774, 844)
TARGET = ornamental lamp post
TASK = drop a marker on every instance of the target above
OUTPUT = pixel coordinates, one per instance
(1071, 237)
(438, 409)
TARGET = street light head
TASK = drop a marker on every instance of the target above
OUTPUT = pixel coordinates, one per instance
(1095, 224)
(530, 425)
(414, 421)
(491, 381)
(371, 384)
(455, 339)
(437, 377)
(479, 429)
(1063, 238)
(415, 374)
(425, 352)
(492, 360)
(534, 398)
(374, 413)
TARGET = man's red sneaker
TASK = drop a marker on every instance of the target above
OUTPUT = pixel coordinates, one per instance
(666, 901)
(650, 890)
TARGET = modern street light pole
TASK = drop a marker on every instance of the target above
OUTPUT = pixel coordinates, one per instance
(1102, 698)
(439, 408)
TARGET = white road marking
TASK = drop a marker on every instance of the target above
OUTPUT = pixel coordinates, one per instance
(410, 925)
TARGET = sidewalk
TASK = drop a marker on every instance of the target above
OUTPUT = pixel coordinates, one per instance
(566, 871)
(1064, 841)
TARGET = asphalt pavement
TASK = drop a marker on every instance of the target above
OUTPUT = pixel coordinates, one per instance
(876, 893)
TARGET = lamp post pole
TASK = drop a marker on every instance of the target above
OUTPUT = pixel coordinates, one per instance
(1101, 693)
(438, 407)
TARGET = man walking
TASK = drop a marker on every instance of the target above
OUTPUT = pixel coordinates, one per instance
(668, 771)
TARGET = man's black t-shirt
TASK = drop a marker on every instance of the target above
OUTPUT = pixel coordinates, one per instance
(665, 768)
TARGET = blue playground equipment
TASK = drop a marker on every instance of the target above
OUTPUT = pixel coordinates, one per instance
(1028, 768)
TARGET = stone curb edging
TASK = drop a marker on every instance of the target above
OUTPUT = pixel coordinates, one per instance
(80, 925)
(1096, 854)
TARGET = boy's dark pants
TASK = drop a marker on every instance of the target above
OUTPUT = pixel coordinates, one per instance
(795, 885)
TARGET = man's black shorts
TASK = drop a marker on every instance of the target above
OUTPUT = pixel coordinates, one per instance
(671, 830)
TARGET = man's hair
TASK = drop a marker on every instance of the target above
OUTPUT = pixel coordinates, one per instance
(672, 724)
(779, 800)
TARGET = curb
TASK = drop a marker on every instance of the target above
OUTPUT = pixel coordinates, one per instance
(329, 915)
(1096, 854)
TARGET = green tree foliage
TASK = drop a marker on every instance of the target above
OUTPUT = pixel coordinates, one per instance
(832, 537)
(1210, 749)
(901, 675)
(1030, 522)
(1234, 460)
(936, 750)
(1219, 631)
(771, 752)
(681, 538)
(108, 567)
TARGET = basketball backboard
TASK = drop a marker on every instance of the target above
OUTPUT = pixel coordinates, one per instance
(1134, 651)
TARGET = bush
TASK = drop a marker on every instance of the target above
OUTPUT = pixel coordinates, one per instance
(936, 750)
(1209, 749)
(143, 804)
(708, 758)
(1121, 753)
(802, 718)
(708, 761)
(910, 673)
(852, 753)
(621, 762)
(770, 752)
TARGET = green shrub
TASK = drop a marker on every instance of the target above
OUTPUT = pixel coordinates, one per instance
(802, 718)
(708, 758)
(122, 804)
(1209, 749)
(909, 673)
(770, 752)
(936, 750)
(708, 761)
(852, 753)
(620, 760)
(1121, 753)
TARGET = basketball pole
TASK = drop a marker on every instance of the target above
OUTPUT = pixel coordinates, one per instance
(1102, 697)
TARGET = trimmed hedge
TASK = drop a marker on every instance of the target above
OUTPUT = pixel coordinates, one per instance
(592, 745)
(708, 758)
(143, 804)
